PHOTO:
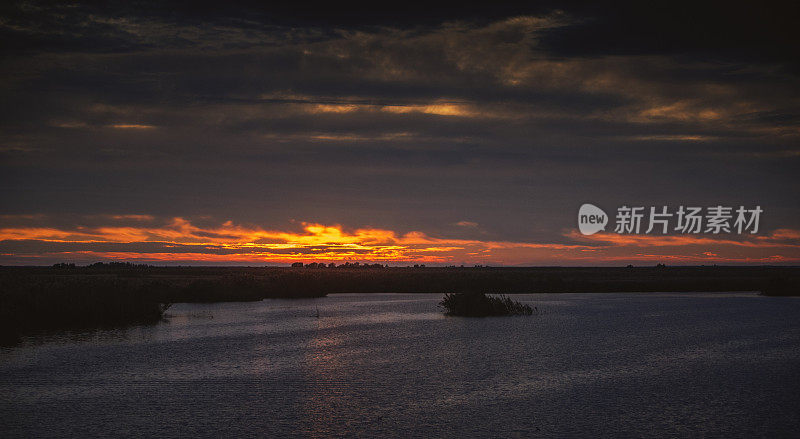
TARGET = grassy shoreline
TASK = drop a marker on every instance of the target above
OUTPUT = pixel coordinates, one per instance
(121, 294)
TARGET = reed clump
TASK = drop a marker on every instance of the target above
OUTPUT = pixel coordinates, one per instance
(105, 295)
(482, 305)
(50, 303)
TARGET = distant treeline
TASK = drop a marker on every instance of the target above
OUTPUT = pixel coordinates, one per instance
(119, 265)
(129, 265)
(178, 284)
(333, 265)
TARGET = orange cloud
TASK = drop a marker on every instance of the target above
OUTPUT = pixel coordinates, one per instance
(778, 238)
(132, 126)
(179, 240)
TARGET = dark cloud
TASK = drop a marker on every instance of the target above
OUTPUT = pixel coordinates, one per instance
(744, 31)
(506, 116)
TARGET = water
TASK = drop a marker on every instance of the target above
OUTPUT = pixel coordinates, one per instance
(591, 365)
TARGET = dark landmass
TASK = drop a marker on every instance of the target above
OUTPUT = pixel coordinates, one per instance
(109, 295)
(785, 285)
(482, 305)
(119, 293)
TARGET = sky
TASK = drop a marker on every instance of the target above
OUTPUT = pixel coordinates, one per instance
(238, 133)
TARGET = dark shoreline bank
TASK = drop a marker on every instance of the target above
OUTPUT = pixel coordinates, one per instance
(120, 294)
(254, 283)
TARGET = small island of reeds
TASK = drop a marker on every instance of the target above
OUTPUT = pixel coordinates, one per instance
(482, 305)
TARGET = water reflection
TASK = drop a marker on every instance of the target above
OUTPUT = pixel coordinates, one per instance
(372, 365)
(325, 370)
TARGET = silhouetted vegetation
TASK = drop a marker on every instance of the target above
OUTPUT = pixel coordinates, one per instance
(49, 303)
(482, 305)
(782, 286)
(121, 293)
(117, 265)
(116, 294)
(345, 265)
(64, 266)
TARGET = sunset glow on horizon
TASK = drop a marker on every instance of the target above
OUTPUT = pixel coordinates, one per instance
(143, 238)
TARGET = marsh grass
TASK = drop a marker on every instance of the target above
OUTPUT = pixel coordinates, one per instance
(52, 303)
(89, 299)
(482, 305)
(781, 286)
